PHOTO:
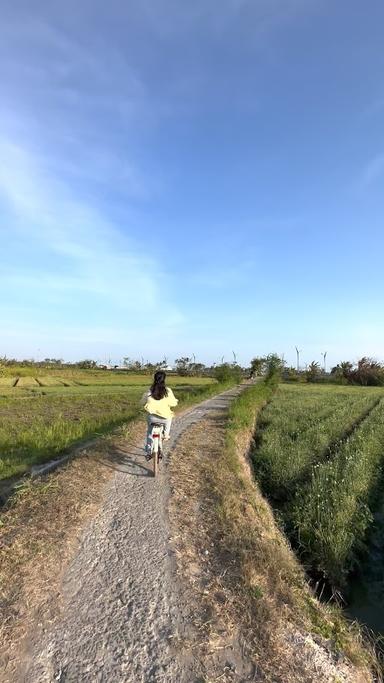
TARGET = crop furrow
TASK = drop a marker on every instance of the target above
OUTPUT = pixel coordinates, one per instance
(283, 463)
(332, 514)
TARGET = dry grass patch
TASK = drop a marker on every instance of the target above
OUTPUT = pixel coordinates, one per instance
(39, 534)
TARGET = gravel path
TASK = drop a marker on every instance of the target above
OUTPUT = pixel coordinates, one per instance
(122, 608)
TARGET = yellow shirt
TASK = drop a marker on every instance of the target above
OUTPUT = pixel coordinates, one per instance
(161, 407)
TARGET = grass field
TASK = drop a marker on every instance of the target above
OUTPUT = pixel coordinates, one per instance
(41, 416)
(319, 456)
(13, 384)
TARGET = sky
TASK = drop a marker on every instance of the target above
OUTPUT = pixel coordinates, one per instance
(198, 178)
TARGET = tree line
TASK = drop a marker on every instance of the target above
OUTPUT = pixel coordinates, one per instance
(365, 372)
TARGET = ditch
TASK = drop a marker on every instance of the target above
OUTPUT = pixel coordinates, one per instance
(366, 587)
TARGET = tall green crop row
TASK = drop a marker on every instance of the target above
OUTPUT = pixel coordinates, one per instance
(332, 515)
(298, 430)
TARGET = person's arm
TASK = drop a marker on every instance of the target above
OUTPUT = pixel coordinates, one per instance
(172, 400)
(144, 398)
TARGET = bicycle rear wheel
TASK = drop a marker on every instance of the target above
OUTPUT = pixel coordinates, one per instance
(157, 446)
(155, 457)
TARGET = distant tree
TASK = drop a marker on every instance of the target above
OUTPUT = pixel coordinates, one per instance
(274, 366)
(132, 365)
(258, 365)
(197, 369)
(313, 371)
(86, 364)
(149, 367)
(342, 372)
(346, 368)
(369, 372)
(291, 375)
(183, 366)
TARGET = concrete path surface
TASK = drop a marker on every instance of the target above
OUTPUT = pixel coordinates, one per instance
(121, 606)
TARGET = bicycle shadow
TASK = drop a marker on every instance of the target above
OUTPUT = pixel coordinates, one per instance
(130, 459)
(126, 460)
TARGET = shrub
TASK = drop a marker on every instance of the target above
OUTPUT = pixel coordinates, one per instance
(274, 367)
(291, 375)
(228, 373)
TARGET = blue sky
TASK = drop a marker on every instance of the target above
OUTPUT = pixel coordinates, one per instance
(182, 178)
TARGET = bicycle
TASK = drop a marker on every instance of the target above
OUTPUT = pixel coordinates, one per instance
(156, 445)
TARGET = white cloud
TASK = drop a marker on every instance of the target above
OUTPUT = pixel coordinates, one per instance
(85, 254)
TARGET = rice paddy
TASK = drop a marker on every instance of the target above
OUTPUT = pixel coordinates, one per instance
(319, 457)
(44, 415)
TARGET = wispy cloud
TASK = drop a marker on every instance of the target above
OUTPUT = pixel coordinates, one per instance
(85, 255)
(71, 191)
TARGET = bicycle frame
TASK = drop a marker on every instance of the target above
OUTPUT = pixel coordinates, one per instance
(156, 435)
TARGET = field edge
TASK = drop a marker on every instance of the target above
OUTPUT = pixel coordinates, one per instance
(249, 581)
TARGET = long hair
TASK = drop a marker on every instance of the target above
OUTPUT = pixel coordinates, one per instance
(158, 388)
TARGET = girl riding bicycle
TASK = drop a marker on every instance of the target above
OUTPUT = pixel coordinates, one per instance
(158, 402)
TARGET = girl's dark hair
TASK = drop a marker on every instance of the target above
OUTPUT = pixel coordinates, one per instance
(158, 388)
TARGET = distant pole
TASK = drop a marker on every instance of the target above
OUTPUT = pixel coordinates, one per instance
(298, 351)
(324, 354)
(194, 358)
(234, 358)
(222, 360)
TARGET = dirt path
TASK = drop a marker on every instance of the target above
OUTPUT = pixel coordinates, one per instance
(122, 613)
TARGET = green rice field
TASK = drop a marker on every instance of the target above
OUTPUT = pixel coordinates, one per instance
(319, 457)
(42, 415)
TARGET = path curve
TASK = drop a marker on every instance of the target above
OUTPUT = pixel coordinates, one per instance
(122, 608)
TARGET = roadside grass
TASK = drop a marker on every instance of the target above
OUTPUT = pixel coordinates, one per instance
(250, 576)
(38, 428)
